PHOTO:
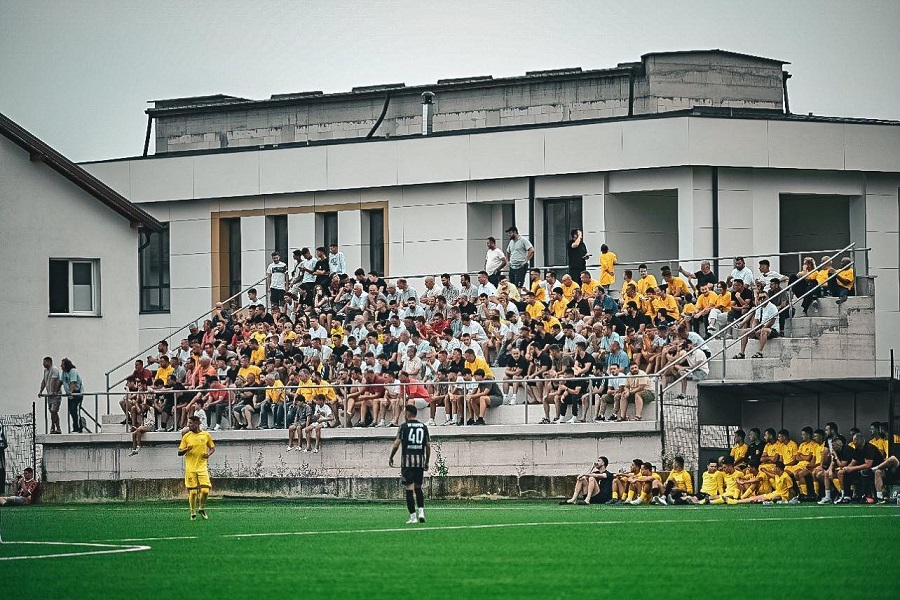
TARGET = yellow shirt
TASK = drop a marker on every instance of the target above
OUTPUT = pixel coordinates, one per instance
(540, 294)
(549, 323)
(682, 480)
(676, 287)
(258, 356)
(645, 283)
(713, 484)
(608, 268)
(782, 484)
(707, 300)
(259, 336)
(881, 444)
(163, 373)
(480, 363)
(307, 389)
(809, 449)
(199, 442)
(846, 274)
(818, 452)
(738, 453)
(535, 310)
(569, 290)
(275, 392)
(731, 485)
(242, 372)
(723, 302)
(588, 289)
(689, 309)
(822, 276)
(788, 451)
(326, 390)
(669, 303)
(558, 308)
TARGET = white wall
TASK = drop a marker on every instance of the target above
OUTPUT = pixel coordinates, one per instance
(44, 215)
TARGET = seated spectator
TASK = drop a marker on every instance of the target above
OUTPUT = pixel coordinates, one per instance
(615, 390)
(24, 490)
(486, 394)
(679, 484)
(841, 284)
(741, 301)
(690, 361)
(298, 417)
(143, 421)
(595, 486)
(766, 316)
(636, 390)
(322, 417)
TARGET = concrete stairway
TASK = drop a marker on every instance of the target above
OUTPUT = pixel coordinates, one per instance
(834, 340)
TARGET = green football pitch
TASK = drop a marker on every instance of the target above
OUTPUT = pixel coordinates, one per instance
(478, 549)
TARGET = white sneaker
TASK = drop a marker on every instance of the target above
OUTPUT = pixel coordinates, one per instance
(430, 423)
(794, 500)
(513, 399)
(636, 502)
(315, 450)
(412, 520)
(449, 421)
(662, 501)
(654, 500)
(290, 449)
(217, 427)
(380, 423)
(824, 501)
(133, 451)
(305, 450)
(572, 420)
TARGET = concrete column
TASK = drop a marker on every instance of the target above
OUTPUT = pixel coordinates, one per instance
(254, 258)
(695, 218)
(301, 232)
(350, 237)
(593, 223)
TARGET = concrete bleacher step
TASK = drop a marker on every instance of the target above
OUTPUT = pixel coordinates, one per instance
(828, 307)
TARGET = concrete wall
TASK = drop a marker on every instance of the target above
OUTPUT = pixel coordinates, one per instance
(523, 450)
(45, 216)
(662, 82)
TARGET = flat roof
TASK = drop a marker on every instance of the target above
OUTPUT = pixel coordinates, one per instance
(699, 111)
(797, 387)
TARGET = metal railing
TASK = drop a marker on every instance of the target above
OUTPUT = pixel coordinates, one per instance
(723, 333)
(110, 386)
(593, 395)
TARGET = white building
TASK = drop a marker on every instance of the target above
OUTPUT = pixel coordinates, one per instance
(67, 262)
(680, 156)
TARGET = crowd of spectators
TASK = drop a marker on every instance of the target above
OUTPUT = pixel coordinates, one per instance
(766, 468)
(323, 348)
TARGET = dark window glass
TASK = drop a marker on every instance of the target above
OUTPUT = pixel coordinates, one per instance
(376, 241)
(59, 286)
(280, 227)
(153, 262)
(329, 229)
(560, 217)
(234, 256)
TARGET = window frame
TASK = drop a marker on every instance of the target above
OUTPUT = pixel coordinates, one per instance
(164, 282)
(565, 201)
(96, 308)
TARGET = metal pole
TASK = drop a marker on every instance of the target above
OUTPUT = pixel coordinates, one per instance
(33, 440)
(46, 418)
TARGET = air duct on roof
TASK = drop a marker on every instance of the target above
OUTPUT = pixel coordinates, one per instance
(427, 112)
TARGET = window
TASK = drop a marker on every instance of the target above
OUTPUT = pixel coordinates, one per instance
(280, 234)
(560, 217)
(233, 229)
(153, 268)
(329, 228)
(74, 286)
(376, 240)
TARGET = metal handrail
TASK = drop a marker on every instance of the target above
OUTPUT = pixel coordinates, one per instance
(749, 316)
(172, 334)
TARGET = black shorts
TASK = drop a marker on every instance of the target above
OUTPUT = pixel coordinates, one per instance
(600, 498)
(412, 476)
(276, 296)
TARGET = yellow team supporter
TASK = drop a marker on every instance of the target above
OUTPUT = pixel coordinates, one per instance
(558, 308)
(569, 290)
(326, 390)
(723, 301)
(480, 363)
(707, 300)
(881, 444)
(787, 451)
(259, 336)
(163, 373)
(846, 274)
(243, 371)
(307, 389)
(588, 289)
(275, 392)
(258, 356)
(669, 303)
(646, 283)
(608, 268)
(540, 293)
(677, 286)
(731, 485)
(535, 310)
(549, 323)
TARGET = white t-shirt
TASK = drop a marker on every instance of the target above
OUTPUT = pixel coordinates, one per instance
(767, 312)
(744, 274)
(278, 272)
(493, 260)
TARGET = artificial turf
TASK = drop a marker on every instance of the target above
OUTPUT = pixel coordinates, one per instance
(478, 549)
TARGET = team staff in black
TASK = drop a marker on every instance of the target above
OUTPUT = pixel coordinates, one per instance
(416, 443)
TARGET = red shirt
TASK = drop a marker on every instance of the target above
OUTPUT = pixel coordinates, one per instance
(143, 375)
(415, 389)
(26, 490)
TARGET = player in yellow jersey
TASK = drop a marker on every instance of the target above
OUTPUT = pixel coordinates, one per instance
(622, 482)
(196, 447)
(771, 452)
(646, 485)
(782, 485)
(679, 483)
(607, 267)
(730, 476)
(811, 451)
(753, 482)
(739, 450)
(712, 485)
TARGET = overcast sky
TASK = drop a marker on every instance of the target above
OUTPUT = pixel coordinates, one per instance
(78, 73)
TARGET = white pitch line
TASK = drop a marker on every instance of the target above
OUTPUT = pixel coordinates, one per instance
(541, 524)
(155, 539)
(110, 549)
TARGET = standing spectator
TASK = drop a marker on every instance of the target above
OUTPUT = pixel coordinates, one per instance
(276, 280)
(494, 261)
(26, 486)
(577, 253)
(519, 253)
(607, 267)
(73, 388)
(705, 276)
(337, 263)
(51, 386)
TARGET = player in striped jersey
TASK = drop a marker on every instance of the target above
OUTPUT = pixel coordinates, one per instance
(413, 437)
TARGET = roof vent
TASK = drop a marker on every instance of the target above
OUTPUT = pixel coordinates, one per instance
(549, 72)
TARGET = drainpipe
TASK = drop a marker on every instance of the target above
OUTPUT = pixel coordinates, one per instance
(531, 215)
(387, 101)
(427, 112)
(631, 92)
(715, 218)
(787, 102)
(147, 136)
